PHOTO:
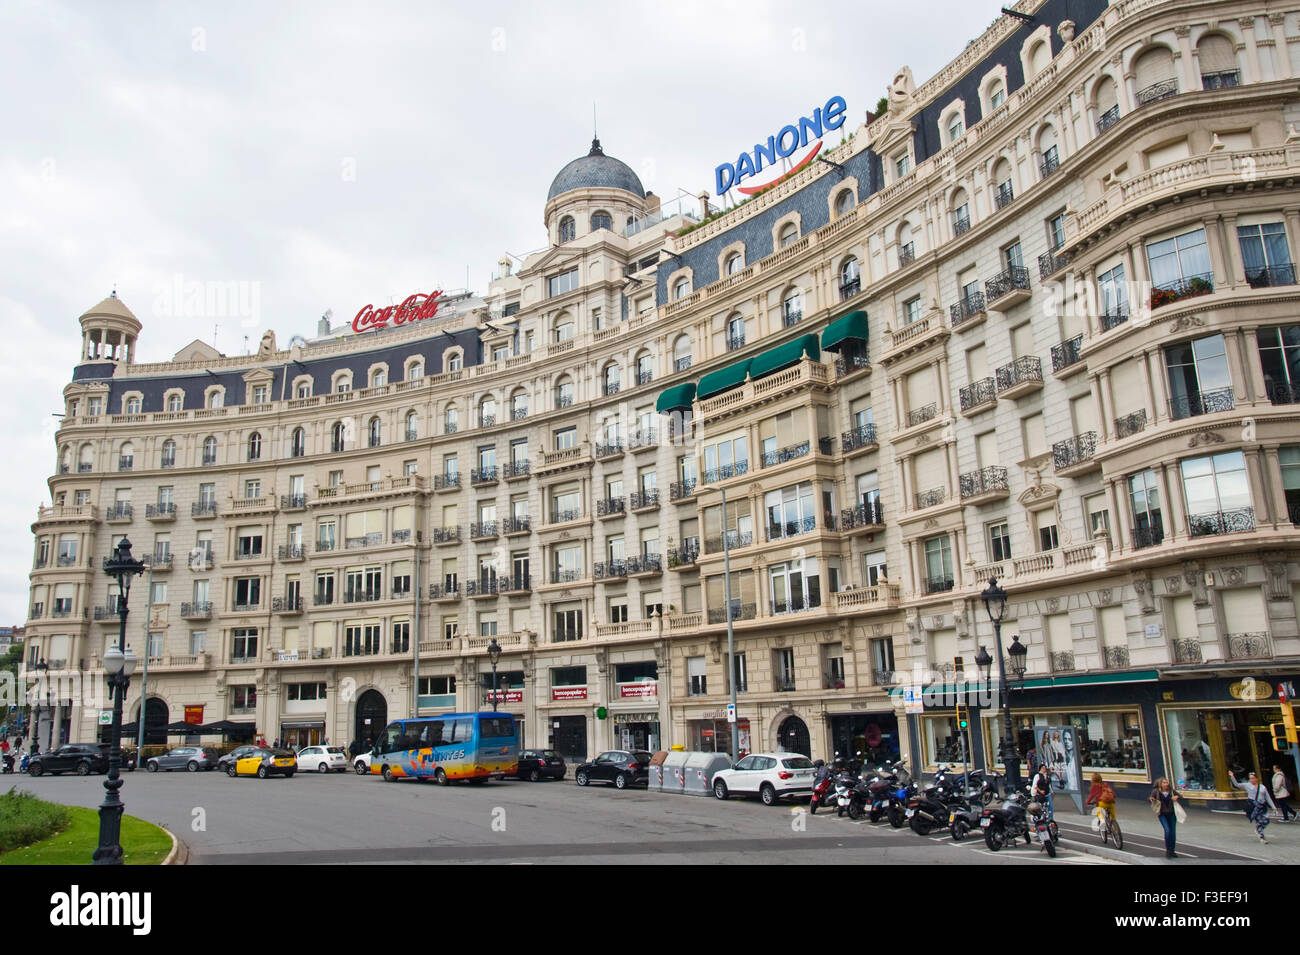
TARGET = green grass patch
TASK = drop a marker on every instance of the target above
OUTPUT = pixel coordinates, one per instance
(75, 834)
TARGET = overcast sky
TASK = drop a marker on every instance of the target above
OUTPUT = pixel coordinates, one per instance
(336, 154)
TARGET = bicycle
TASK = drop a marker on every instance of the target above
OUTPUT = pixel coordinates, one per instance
(1108, 828)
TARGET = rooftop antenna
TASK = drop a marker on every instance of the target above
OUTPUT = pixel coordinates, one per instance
(214, 335)
(594, 133)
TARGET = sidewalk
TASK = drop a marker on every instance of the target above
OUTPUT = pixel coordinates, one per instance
(1222, 830)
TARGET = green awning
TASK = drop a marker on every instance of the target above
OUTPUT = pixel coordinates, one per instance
(851, 326)
(723, 379)
(676, 398)
(783, 356)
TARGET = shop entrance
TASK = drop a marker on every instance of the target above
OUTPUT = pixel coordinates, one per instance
(297, 735)
(372, 717)
(569, 737)
(874, 735)
(793, 737)
(155, 722)
(637, 734)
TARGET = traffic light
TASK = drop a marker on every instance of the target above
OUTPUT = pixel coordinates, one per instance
(963, 720)
(1280, 742)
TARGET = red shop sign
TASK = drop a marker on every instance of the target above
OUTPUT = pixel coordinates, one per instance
(194, 714)
(505, 696)
(568, 693)
(641, 691)
(415, 307)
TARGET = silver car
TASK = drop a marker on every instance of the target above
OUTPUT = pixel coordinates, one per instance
(191, 758)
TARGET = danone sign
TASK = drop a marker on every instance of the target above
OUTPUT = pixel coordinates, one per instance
(801, 140)
(414, 308)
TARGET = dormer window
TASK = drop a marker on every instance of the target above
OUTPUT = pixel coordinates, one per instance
(601, 220)
(733, 264)
(681, 288)
(956, 126)
(567, 229)
(997, 96)
(843, 203)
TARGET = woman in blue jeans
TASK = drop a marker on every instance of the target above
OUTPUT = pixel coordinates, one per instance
(1162, 800)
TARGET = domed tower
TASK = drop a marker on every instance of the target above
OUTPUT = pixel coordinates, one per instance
(109, 331)
(593, 192)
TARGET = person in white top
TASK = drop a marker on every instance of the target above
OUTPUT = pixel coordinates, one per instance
(1281, 792)
(1258, 801)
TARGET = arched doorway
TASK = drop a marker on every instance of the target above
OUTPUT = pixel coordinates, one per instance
(372, 717)
(156, 719)
(792, 737)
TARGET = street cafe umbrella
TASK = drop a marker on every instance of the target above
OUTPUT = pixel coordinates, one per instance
(181, 728)
(229, 728)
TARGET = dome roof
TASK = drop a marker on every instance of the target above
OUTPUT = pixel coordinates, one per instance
(111, 306)
(596, 171)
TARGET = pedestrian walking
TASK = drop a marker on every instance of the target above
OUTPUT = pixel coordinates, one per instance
(1162, 800)
(1282, 792)
(1258, 802)
(352, 748)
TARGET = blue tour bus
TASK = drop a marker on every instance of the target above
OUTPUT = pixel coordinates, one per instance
(473, 746)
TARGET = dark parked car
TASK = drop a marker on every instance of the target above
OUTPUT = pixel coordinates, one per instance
(81, 758)
(538, 764)
(618, 766)
(192, 758)
(239, 752)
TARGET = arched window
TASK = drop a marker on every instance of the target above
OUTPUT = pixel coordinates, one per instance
(416, 371)
(65, 460)
(682, 353)
(789, 235)
(843, 202)
(85, 458)
(343, 384)
(373, 432)
(1218, 62)
(519, 405)
(175, 402)
(563, 329)
(450, 420)
(735, 332)
(1003, 190)
(1048, 150)
(453, 361)
(209, 450)
(850, 279)
(302, 389)
(487, 412)
(1107, 104)
(601, 220)
(644, 368)
(126, 459)
(681, 288)
(379, 378)
(337, 434)
(412, 426)
(564, 393)
(255, 446)
(1154, 75)
(960, 212)
(906, 245)
(297, 443)
(733, 264)
(133, 404)
(567, 230)
(792, 307)
(997, 94)
(954, 126)
(1039, 57)
(217, 399)
(168, 454)
(612, 378)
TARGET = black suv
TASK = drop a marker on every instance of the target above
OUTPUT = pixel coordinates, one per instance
(535, 764)
(81, 758)
(621, 767)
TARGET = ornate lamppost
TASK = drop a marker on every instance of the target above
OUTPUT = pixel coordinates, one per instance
(120, 664)
(494, 654)
(995, 604)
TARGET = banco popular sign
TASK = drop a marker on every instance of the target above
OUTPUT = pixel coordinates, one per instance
(804, 134)
(414, 308)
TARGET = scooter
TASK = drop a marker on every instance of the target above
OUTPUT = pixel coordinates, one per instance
(821, 790)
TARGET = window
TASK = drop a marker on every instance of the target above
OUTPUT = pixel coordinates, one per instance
(248, 591)
(1113, 293)
(454, 361)
(1279, 355)
(244, 645)
(568, 229)
(337, 434)
(562, 283)
(1199, 379)
(792, 307)
(343, 385)
(740, 674)
(1012, 257)
(735, 332)
(1097, 514)
(373, 433)
(566, 438)
(681, 288)
(1056, 231)
(902, 166)
(790, 511)
(956, 126)
(874, 568)
(789, 235)
(174, 403)
(168, 454)
(567, 625)
(911, 309)
(726, 458)
(697, 683)
(255, 446)
(601, 220)
(997, 96)
(1218, 494)
(260, 394)
(1266, 255)
(612, 379)
(298, 443)
(938, 565)
(302, 389)
(450, 420)
(733, 264)
(850, 278)
(794, 586)
(209, 450)
(248, 543)
(243, 699)
(1180, 265)
(415, 372)
(1045, 524)
(1144, 497)
(999, 542)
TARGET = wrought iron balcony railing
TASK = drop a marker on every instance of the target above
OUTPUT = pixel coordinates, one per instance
(565, 576)
(1272, 275)
(1075, 450)
(1066, 353)
(484, 475)
(159, 511)
(514, 469)
(1114, 316)
(1009, 280)
(1051, 162)
(1049, 263)
(1004, 196)
(1027, 368)
(727, 471)
(969, 307)
(644, 377)
(642, 439)
(867, 514)
(938, 585)
(1115, 658)
(446, 482)
(735, 341)
(683, 556)
(984, 481)
(773, 458)
(515, 584)
(286, 605)
(1282, 393)
(739, 611)
(290, 502)
(850, 362)
(1249, 646)
(517, 525)
(1187, 651)
(1108, 119)
(1157, 91)
(783, 529)
(444, 591)
(1236, 521)
(1149, 535)
(481, 529)
(611, 388)
(644, 499)
(682, 364)
(202, 608)
(446, 535)
(1062, 661)
(1226, 79)
(362, 596)
(571, 514)
(1189, 286)
(977, 393)
(605, 449)
(119, 511)
(519, 413)
(610, 569)
(289, 552)
(735, 539)
(860, 437)
(850, 288)
(921, 415)
(679, 490)
(931, 498)
(906, 255)
(645, 564)
(1207, 402)
(1131, 424)
(610, 506)
(960, 223)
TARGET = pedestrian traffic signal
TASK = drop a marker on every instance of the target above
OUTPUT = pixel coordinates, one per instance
(1280, 742)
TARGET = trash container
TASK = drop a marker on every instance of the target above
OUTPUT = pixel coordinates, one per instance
(675, 772)
(656, 781)
(700, 768)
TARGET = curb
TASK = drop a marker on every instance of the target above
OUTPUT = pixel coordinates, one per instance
(180, 854)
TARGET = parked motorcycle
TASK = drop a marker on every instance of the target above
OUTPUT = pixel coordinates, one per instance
(844, 784)
(1019, 817)
(930, 809)
(823, 785)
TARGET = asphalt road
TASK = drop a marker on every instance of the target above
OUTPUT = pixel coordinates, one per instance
(344, 818)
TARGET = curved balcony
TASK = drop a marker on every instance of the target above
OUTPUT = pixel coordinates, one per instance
(772, 458)
(1239, 520)
(986, 484)
(1207, 402)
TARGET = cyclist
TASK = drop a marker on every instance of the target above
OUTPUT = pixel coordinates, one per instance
(1103, 795)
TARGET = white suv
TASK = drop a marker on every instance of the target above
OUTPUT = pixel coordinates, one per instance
(767, 775)
(322, 759)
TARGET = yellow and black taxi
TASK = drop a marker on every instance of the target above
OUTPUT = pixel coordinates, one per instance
(264, 762)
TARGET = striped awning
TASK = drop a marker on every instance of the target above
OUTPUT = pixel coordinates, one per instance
(676, 398)
(783, 356)
(852, 326)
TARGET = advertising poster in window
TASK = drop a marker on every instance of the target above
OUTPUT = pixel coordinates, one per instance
(1059, 747)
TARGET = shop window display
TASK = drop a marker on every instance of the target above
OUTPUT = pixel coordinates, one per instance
(1110, 742)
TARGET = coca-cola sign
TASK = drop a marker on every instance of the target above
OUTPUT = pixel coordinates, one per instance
(414, 308)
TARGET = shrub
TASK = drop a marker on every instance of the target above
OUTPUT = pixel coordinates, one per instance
(24, 819)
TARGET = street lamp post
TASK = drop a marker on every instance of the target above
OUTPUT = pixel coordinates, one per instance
(494, 654)
(120, 664)
(995, 604)
(41, 668)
